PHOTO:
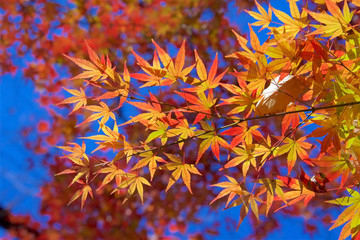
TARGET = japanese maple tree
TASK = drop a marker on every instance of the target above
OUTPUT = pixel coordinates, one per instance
(36, 34)
(278, 132)
(303, 81)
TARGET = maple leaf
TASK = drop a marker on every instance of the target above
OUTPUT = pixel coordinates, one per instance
(164, 57)
(257, 47)
(94, 69)
(202, 104)
(298, 192)
(93, 56)
(350, 216)
(112, 172)
(101, 69)
(263, 17)
(153, 109)
(254, 73)
(76, 151)
(207, 81)
(246, 155)
(248, 135)
(79, 159)
(334, 25)
(81, 168)
(79, 98)
(154, 75)
(180, 169)
(182, 129)
(292, 24)
(245, 136)
(353, 148)
(114, 140)
(91, 70)
(247, 201)
(175, 71)
(179, 72)
(210, 138)
(265, 150)
(294, 148)
(135, 183)
(329, 126)
(237, 132)
(149, 158)
(284, 52)
(338, 164)
(160, 131)
(101, 111)
(247, 56)
(231, 188)
(115, 85)
(312, 50)
(272, 187)
(243, 100)
(292, 119)
(83, 192)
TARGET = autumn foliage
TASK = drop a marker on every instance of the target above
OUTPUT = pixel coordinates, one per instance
(278, 132)
(311, 63)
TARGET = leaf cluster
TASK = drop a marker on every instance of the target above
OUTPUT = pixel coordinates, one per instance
(303, 82)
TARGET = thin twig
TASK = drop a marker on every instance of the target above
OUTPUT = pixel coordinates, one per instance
(312, 110)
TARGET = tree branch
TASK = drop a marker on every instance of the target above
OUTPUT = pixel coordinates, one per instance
(312, 110)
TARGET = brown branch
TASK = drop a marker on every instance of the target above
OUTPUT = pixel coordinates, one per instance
(312, 110)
